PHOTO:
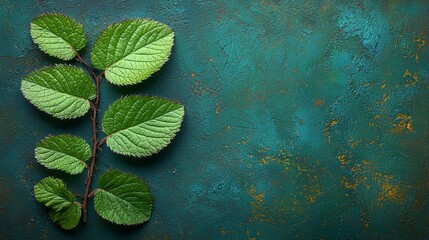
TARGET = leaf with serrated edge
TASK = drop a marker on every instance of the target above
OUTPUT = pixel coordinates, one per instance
(62, 91)
(58, 35)
(140, 126)
(63, 152)
(53, 193)
(67, 218)
(131, 50)
(123, 198)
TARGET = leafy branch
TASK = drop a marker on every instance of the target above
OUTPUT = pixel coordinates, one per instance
(125, 53)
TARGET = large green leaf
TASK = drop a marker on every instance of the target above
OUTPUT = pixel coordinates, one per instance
(63, 152)
(67, 218)
(58, 35)
(131, 50)
(123, 198)
(141, 125)
(62, 91)
(53, 193)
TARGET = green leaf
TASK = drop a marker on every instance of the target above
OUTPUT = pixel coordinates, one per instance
(62, 91)
(58, 35)
(123, 198)
(53, 193)
(63, 152)
(131, 50)
(141, 125)
(67, 218)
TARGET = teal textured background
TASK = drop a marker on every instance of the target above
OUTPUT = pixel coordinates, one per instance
(304, 119)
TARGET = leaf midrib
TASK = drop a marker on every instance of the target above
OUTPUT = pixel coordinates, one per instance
(123, 200)
(56, 196)
(66, 201)
(73, 48)
(78, 159)
(58, 91)
(136, 51)
(142, 122)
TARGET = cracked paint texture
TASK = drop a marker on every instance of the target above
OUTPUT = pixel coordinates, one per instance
(305, 119)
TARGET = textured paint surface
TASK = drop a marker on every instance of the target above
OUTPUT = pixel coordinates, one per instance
(305, 119)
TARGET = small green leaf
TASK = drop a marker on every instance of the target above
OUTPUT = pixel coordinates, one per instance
(67, 218)
(53, 193)
(123, 198)
(58, 35)
(131, 50)
(141, 125)
(62, 91)
(63, 152)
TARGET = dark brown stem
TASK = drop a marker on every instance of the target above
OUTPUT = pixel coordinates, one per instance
(92, 193)
(94, 146)
(95, 143)
(80, 59)
(102, 141)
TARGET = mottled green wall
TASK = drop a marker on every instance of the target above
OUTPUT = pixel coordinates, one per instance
(305, 119)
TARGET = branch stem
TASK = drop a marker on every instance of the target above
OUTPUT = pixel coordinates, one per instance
(95, 143)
